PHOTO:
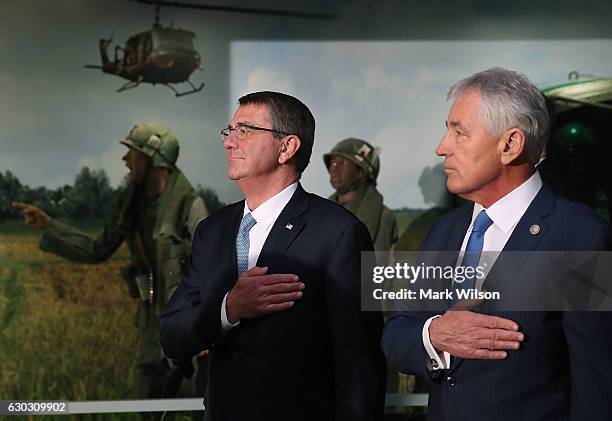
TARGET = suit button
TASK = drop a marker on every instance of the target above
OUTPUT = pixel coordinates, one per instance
(450, 381)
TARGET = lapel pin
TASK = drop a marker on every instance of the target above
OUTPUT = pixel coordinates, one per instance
(534, 229)
(289, 226)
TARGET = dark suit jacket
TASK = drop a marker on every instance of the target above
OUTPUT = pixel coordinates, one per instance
(563, 370)
(320, 360)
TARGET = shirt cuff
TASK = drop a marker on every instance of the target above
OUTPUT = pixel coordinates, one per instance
(225, 323)
(437, 360)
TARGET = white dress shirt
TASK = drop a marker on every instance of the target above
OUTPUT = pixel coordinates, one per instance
(265, 216)
(505, 214)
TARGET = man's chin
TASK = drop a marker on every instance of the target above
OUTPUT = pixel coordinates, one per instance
(462, 191)
(454, 186)
(233, 175)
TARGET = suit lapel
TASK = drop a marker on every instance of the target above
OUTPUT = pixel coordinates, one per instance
(522, 239)
(286, 228)
(457, 233)
(449, 255)
(455, 240)
(444, 252)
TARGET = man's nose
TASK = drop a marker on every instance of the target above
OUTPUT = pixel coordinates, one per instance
(442, 149)
(230, 141)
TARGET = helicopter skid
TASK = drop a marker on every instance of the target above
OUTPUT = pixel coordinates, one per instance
(193, 90)
(135, 83)
(129, 85)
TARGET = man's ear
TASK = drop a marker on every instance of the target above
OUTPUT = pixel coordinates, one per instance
(513, 145)
(288, 148)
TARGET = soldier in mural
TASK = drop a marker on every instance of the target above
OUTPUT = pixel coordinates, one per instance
(156, 215)
(353, 166)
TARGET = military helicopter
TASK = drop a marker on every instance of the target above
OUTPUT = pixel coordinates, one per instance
(165, 55)
(577, 157)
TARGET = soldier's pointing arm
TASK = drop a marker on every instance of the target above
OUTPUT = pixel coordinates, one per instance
(71, 243)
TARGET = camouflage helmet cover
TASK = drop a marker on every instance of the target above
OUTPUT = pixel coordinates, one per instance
(358, 151)
(155, 141)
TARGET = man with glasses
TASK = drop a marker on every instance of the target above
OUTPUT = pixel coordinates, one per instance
(277, 300)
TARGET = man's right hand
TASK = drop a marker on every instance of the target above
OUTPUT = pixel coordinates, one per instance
(471, 335)
(256, 294)
(32, 215)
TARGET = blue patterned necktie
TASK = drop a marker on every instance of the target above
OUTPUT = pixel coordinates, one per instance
(242, 243)
(473, 251)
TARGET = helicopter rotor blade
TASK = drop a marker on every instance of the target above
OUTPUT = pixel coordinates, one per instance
(92, 66)
(258, 11)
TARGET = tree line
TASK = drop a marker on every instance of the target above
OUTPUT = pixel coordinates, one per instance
(90, 196)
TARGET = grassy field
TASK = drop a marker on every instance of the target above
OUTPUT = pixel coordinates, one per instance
(66, 329)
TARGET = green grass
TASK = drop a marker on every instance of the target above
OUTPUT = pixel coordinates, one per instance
(12, 294)
(66, 329)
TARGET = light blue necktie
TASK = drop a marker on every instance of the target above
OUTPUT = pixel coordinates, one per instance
(242, 243)
(473, 251)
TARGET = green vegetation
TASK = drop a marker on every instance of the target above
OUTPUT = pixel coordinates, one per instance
(91, 197)
(66, 329)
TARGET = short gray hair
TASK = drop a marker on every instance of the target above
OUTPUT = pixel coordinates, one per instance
(509, 100)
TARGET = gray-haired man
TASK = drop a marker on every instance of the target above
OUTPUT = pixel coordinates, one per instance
(497, 364)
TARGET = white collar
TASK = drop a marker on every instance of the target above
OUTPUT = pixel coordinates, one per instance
(507, 211)
(269, 210)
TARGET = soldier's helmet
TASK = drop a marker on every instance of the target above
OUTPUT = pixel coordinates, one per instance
(155, 141)
(358, 151)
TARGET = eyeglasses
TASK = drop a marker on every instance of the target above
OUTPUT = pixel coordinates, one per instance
(242, 131)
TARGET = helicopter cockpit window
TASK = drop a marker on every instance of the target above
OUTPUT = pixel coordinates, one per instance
(184, 37)
(147, 46)
(174, 36)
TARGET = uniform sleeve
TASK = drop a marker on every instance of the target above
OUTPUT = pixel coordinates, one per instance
(359, 367)
(387, 231)
(197, 213)
(191, 321)
(73, 244)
